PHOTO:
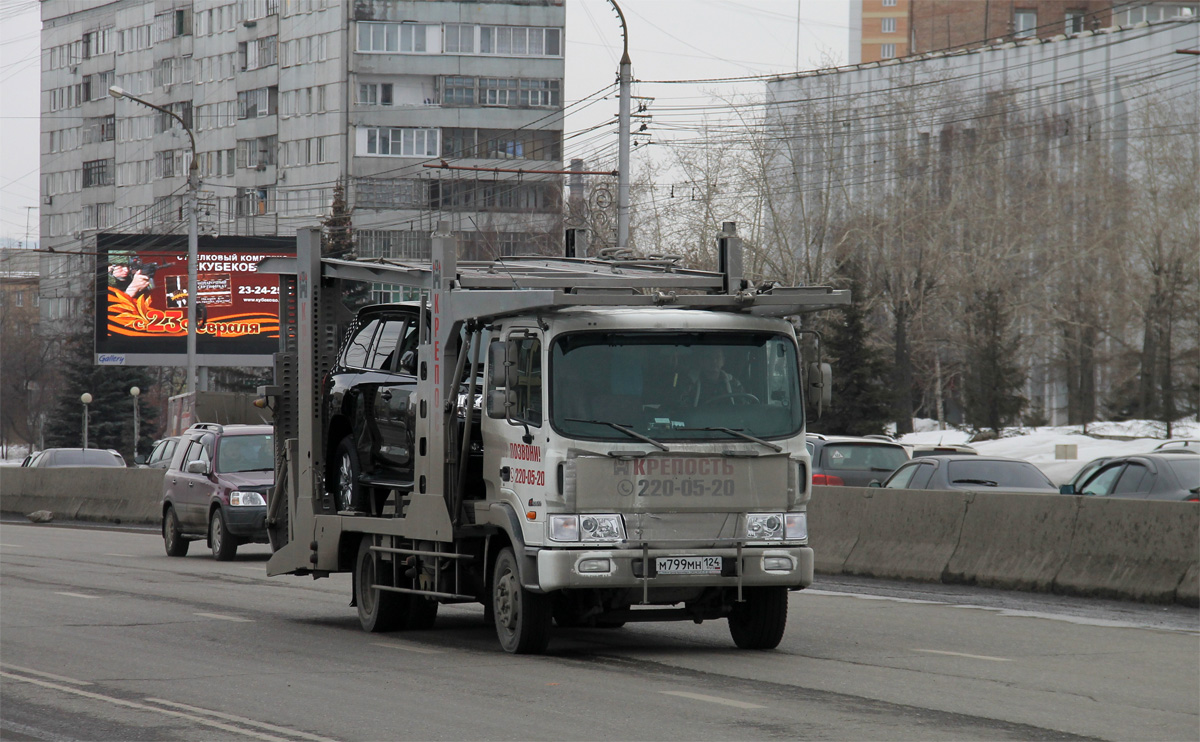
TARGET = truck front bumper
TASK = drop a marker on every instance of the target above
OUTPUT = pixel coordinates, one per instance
(788, 566)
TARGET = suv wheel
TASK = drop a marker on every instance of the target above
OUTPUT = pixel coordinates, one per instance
(224, 544)
(174, 543)
(346, 489)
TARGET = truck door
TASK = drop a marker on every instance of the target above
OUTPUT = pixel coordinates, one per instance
(395, 351)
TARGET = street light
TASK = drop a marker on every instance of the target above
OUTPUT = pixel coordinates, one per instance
(134, 392)
(87, 400)
(193, 186)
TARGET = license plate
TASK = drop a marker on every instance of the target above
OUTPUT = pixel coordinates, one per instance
(688, 565)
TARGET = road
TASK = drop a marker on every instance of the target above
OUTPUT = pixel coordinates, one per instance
(103, 637)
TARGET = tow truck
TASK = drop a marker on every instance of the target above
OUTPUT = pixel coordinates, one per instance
(642, 428)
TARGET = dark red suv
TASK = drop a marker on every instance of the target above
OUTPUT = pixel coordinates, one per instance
(217, 488)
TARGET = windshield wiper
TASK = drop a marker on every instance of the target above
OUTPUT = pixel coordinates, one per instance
(740, 434)
(984, 482)
(627, 431)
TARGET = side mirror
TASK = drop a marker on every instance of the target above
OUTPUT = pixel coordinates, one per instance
(499, 402)
(1067, 489)
(820, 385)
(196, 467)
(140, 459)
(875, 483)
(501, 373)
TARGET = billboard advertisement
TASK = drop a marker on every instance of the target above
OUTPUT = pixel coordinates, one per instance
(142, 299)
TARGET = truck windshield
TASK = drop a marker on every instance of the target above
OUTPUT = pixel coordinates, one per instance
(675, 386)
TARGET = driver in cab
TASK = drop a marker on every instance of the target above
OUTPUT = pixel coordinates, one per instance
(709, 381)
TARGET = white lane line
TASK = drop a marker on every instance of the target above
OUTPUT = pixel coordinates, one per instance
(223, 617)
(408, 648)
(961, 654)
(46, 675)
(13, 546)
(144, 707)
(127, 556)
(712, 699)
(79, 595)
(240, 720)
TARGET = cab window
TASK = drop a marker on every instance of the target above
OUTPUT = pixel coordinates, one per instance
(529, 382)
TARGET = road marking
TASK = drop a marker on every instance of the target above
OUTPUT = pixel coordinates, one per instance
(223, 617)
(712, 699)
(408, 648)
(144, 707)
(968, 656)
(240, 720)
(13, 546)
(127, 556)
(46, 675)
(79, 595)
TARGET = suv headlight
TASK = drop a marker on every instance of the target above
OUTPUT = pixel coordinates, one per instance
(587, 528)
(238, 498)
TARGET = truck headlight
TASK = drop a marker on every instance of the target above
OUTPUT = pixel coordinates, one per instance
(246, 499)
(587, 528)
(764, 526)
(796, 526)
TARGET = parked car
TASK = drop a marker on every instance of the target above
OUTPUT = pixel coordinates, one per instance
(53, 457)
(160, 454)
(1147, 476)
(852, 461)
(969, 472)
(216, 488)
(370, 408)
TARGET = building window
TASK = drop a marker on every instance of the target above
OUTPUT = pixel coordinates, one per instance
(519, 41)
(254, 201)
(392, 37)
(257, 153)
(256, 54)
(97, 173)
(258, 103)
(397, 142)
(1025, 24)
(888, 25)
(460, 38)
(458, 91)
(887, 51)
(375, 94)
(889, 3)
(1074, 21)
(497, 91)
(1161, 12)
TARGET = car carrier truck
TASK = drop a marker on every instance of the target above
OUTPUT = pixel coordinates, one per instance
(568, 441)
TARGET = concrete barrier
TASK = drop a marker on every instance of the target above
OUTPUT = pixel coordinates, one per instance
(111, 495)
(1131, 549)
(834, 525)
(1013, 541)
(907, 535)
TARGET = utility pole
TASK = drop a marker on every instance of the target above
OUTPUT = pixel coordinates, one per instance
(193, 183)
(623, 135)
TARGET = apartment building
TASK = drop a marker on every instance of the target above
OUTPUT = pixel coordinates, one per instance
(288, 98)
(886, 29)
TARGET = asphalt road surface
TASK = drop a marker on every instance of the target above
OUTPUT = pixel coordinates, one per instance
(103, 637)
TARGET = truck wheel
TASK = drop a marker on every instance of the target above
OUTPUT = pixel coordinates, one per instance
(378, 610)
(759, 621)
(522, 617)
(175, 544)
(347, 492)
(224, 544)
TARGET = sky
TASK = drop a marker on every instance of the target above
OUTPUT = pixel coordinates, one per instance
(669, 40)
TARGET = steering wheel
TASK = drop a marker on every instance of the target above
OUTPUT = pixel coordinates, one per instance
(733, 397)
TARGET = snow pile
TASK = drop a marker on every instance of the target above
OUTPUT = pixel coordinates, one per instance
(1037, 445)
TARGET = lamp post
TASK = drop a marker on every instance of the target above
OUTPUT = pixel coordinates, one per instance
(87, 400)
(193, 186)
(137, 418)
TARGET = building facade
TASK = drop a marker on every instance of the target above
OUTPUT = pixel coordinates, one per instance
(287, 99)
(885, 29)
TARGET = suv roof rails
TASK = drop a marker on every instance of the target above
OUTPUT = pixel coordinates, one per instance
(880, 437)
(215, 427)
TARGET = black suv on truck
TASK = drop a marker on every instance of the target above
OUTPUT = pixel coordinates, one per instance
(370, 411)
(217, 488)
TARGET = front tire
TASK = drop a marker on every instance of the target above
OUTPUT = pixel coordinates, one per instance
(522, 618)
(347, 492)
(173, 541)
(378, 610)
(223, 543)
(759, 621)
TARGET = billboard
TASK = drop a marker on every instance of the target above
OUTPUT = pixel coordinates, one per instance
(142, 299)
